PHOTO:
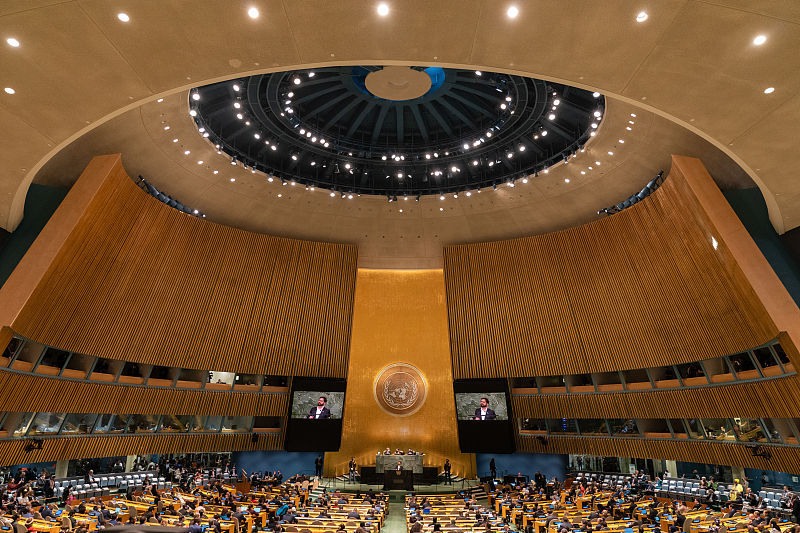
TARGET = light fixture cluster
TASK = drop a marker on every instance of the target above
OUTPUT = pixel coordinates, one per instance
(302, 128)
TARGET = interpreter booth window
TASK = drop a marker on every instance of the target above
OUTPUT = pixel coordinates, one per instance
(12, 348)
(237, 424)
(213, 424)
(765, 357)
(718, 429)
(562, 425)
(248, 381)
(538, 425)
(742, 362)
(174, 424)
(778, 430)
(21, 424)
(78, 423)
(623, 427)
(54, 357)
(595, 427)
(678, 428)
(143, 423)
(111, 424)
(695, 429)
(46, 423)
(749, 430)
(656, 428)
(780, 354)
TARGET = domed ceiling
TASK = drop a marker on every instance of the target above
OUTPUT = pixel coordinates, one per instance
(392, 131)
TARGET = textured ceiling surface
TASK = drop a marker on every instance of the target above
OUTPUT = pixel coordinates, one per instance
(692, 63)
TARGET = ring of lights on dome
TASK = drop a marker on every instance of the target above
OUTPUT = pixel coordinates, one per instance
(396, 131)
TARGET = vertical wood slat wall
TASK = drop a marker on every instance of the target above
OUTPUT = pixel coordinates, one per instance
(784, 459)
(755, 399)
(143, 282)
(12, 451)
(644, 287)
(27, 393)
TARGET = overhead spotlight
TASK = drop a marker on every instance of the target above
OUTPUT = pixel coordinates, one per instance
(294, 157)
(236, 87)
(192, 112)
(596, 94)
(642, 16)
(196, 96)
(759, 40)
(233, 161)
(455, 195)
(383, 9)
(123, 17)
(478, 73)
(417, 198)
(296, 81)
(253, 12)
(512, 12)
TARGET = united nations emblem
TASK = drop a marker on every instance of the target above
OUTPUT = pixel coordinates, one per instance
(400, 389)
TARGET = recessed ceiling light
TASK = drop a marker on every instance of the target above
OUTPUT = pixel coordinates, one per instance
(642, 16)
(12, 42)
(759, 40)
(512, 12)
(566, 180)
(296, 81)
(192, 113)
(233, 179)
(383, 9)
(769, 90)
(633, 115)
(596, 94)
(175, 140)
(9, 90)
(187, 152)
(253, 13)
(160, 100)
(123, 17)
(621, 141)
(478, 73)
(551, 116)
(195, 96)
(200, 162)
(610, 153)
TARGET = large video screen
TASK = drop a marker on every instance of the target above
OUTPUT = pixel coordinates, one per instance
(481, 406)
(317, 405)
(484, 416)
(315, 415)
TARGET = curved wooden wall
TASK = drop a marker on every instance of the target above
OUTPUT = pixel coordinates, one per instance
(56, 449)
(755, 399)
(784, 459)
(139, 281)
(71, 396)
(641, 288)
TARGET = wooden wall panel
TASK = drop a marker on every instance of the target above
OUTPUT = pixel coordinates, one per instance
(641, 288)
(139, 281)
(749, 400)
(63, 448)
(26, 393)
(784, 458)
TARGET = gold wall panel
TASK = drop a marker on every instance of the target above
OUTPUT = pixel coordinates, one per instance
(400, 316)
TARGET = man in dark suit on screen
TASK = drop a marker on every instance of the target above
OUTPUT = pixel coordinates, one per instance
(321, 410)
(483, 412)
